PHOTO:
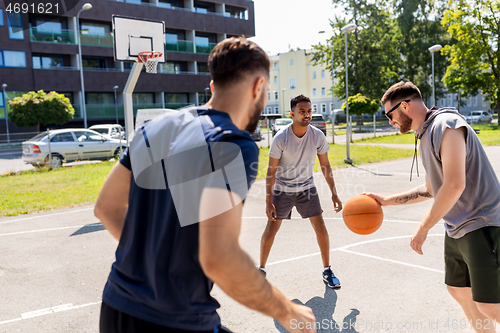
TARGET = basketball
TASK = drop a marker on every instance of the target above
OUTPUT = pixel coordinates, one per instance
(363, 214)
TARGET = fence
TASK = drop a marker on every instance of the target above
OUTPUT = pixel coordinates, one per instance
(16, 137)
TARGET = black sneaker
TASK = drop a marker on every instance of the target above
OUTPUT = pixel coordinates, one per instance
(330, 280)
(263, 271)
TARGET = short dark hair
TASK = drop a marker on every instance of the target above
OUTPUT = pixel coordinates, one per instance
(401, 91)
(234, 58)
(297, 99)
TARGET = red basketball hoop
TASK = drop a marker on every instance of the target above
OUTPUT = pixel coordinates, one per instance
(150, 60)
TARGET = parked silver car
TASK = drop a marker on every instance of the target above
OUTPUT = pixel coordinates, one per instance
(281, 123)
(70, 145)
(109, 131)
(479, 117)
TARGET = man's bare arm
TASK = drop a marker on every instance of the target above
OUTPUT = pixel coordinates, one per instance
(112, 203)
(227, 265)
(270, 180)
(326, 169)
(419, 194)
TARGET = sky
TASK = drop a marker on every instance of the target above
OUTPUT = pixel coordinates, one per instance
(295, 23)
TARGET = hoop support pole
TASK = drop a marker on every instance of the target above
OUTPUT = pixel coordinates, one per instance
(128, 103)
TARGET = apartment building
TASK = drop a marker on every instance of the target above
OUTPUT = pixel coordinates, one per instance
(40, 51)
(292, 74)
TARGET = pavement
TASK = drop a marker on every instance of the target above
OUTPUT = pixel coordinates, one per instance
(54, 265)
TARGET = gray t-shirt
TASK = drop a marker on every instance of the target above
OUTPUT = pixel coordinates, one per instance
(297, 156)
(479, 204)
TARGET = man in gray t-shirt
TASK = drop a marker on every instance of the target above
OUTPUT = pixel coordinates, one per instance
(290, 182)
(466, 195)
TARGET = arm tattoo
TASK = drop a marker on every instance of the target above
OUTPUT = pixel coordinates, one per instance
(413, 196)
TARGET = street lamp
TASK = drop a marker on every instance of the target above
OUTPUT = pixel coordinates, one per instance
(116, 106)
(433, 49)
(332, 116)
(86, 6)
(5, 110)
(206, 94)
(345, 30)
(283, 97)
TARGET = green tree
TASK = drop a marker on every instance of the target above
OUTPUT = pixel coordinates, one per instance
(373, 52)
(359, 105)
(475, 58)
(39, 108)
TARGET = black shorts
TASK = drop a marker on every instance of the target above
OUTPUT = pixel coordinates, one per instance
(306, 202)
(472, 261)
(114, 321)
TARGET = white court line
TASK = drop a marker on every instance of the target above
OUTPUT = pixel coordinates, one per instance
(334, 218)
(393, 261)
(51, 229)
(41, 216)
(344, 249)
(43, 312)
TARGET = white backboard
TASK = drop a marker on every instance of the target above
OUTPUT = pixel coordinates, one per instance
(133, 35)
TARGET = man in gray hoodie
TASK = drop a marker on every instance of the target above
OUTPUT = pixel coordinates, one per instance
(466, 195)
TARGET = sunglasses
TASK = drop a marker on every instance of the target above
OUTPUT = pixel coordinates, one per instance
(388, 114)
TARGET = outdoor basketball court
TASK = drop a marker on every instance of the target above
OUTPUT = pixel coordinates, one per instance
(55, 264)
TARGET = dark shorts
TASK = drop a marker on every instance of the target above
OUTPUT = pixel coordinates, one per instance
(114, 321)
(472, 261)
(306, 202)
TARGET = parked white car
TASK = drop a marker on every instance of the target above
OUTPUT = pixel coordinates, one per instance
(478, 117)
(109, 131)
(70, 145)
(281, 123)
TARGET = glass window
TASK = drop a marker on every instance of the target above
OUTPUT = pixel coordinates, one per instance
(86, 136)
(268, 96)
(15, 25)
(1, 99)
(292, 83)
(143, 98)
(314, 92)
(170, 67)
(291, 61)
(269, 110)
(95, 28)
(275, 65)
(42, 24)
(94, 63)
(331, 106)
(14, 59)
(62, 137)
(314, 74)
(275, 80)
(100, 98)
(315, 108)
(1, 18)
(181, 98)
(276, 95)
(323, 74)
(203, 67)
(323, 108)
(1, 59)
(323, 91)
(40, 61)
(168, 3)
(276, 110)
(202, 41)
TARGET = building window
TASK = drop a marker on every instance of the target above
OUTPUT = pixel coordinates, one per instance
(474, 99)
(171, 67)
(276, 110)
(485, 101)
(276, 95)
(12, 59)
(292, 83)
(96, 63)
(276, 65)
(15, 21)
(314, 75)
(315, 108)
(1, 18)
(275, 80)
(143, 98)
(291, 61)
(268, 96)
(331, 107)
(269, 110)
(235, 12)
(203, 67)
(181, 99)
(323, 91)
(204, 7)
(322, 73)
(47, 61)
(469, 102)
(168, 3)
(44, 24)
(450, 99)
(99, 98)
(314, 92)
(95, 29)
(323, 108)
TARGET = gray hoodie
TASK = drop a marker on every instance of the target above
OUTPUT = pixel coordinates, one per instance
(479, 204)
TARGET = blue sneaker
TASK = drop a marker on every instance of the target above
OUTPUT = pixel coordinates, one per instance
(330, 280)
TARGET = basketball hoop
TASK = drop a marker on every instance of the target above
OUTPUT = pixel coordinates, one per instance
(150, 60)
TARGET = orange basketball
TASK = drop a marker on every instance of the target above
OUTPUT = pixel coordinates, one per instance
(363, 214)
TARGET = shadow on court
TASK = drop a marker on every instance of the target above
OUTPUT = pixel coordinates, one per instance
(323, 309)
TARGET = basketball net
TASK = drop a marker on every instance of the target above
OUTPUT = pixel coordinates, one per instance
(150, 60)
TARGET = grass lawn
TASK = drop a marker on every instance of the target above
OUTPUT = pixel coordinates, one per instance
(489, 134)
(33, 191)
